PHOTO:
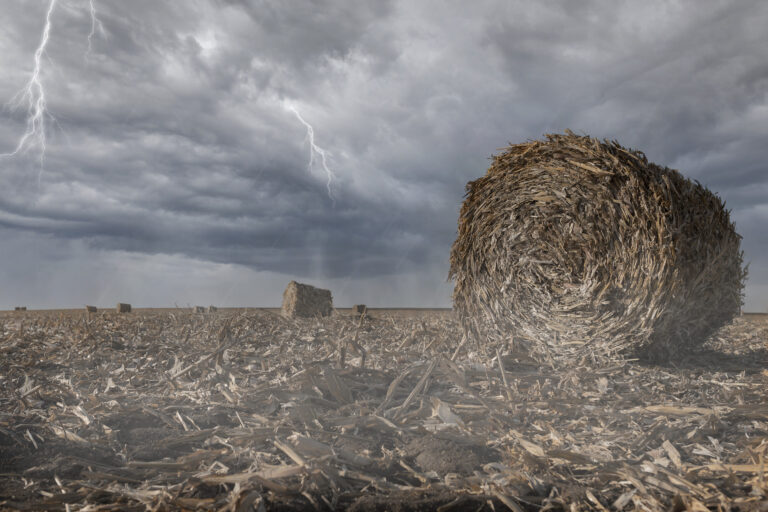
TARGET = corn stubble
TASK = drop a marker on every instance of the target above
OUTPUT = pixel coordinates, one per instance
(250, 410)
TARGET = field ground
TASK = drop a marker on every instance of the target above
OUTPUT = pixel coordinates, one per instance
(245, 410)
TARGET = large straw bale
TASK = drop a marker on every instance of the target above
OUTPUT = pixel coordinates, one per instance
(579, 248)
(122, 307)
(303, 300)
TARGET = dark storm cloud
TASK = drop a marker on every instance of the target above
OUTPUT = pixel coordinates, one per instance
(174, 135)
(309, 31)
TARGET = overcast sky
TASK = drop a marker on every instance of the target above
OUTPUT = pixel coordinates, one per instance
(177, 169)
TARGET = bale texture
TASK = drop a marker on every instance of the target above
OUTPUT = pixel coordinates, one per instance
(581, 248)
(91, 309)
(303, 300)
(123, 307)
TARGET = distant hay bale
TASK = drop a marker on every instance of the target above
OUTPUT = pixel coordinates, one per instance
(303, 300)
(20, 308)
(91, 309)
(123, 308)
(212, 309)
(581, 248)
(359, 309)
(199, 309)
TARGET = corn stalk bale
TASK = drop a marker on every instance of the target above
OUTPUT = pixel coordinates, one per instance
(212, 309)
(91, 309)
(123, 307)
(576, 247)
(199, 309)
(303, 300)
(359, 309)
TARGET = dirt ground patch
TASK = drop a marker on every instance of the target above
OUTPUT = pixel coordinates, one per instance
(444, 455)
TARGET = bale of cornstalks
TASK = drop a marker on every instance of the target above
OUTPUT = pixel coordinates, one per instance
(303, 300)
(359, 309)
(576, 249)
(123, 307)
(199, 309)
(212, 309)
(91, 309)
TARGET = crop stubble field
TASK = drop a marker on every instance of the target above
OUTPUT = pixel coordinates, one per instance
(247, 410)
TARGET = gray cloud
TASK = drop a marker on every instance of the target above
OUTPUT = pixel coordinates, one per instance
(174, 142)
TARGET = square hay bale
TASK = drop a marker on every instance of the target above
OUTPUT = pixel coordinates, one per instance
(303, 300)
(359, 309)
(20, 308)
(212, 309)
(199, 309)
(91, 309)
(123, 308)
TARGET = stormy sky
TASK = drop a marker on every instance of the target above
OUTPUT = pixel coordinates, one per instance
(176, 171)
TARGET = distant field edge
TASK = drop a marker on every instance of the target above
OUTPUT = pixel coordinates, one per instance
(223, 308)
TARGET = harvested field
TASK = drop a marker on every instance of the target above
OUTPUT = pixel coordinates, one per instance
(248, 410)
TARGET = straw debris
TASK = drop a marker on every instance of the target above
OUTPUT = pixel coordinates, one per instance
(248, 410)
(577, 248)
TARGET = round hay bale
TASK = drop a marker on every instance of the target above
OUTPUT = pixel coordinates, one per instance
(576, 247)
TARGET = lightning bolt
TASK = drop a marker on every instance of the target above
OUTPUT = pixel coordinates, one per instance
(33, 95)
(95, 25)
(314, 149)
